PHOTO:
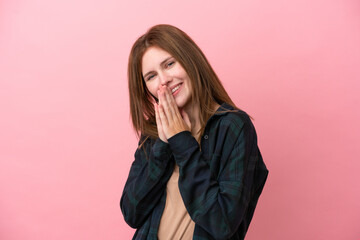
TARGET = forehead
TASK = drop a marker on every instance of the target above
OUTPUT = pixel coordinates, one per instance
(152, 58)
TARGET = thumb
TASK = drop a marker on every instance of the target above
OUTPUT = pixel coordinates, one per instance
(186, 118)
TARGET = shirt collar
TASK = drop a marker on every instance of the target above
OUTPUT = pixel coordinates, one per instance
(223, 109)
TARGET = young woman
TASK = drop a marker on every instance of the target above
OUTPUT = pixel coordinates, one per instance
(198, 171)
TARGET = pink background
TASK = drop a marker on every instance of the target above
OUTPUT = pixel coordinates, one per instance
(66, 143)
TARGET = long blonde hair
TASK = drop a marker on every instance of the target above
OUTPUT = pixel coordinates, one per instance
(206, 86)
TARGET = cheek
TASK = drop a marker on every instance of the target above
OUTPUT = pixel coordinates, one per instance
(152, 89)
(188, 83)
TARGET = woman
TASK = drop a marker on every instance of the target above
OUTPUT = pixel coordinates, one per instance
(198, 172)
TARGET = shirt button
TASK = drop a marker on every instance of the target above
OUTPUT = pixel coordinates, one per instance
(206, 136)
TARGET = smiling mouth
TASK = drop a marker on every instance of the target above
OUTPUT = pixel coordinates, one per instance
(175, 88)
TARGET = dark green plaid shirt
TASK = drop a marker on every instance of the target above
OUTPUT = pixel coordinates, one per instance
(220, 183)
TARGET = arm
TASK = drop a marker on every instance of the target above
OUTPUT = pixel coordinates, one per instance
(146, 182)
(217, 200)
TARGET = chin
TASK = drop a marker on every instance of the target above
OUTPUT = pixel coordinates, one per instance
(182, 100)
(181, 104)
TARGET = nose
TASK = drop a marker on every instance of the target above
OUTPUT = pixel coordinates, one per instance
(164, 78)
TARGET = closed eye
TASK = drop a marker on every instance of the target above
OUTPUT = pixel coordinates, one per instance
(150, 77)
(169, 64)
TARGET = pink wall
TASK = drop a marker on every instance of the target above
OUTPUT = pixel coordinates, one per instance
(66, 142)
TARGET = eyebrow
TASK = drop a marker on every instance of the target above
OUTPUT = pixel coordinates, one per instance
(165, 60)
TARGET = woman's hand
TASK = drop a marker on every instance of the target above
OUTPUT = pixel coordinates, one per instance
(158, 124)
(169, 120)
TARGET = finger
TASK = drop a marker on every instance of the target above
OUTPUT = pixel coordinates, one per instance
(159, 124)
(159, 97)
(166, 106)
(158, 120)
(161, 100)
(176, 115)
(172, 103)
(163, 117)
(157, 117)
(170, 97)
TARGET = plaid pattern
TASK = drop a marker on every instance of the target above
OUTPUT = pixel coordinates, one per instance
(220, 183)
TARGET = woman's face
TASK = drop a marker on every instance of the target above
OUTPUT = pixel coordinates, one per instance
(160, 68)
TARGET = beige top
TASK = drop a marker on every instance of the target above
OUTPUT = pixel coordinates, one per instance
(175, 223)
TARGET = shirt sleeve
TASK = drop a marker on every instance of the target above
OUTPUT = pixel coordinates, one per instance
(217, 195)
(146, 182)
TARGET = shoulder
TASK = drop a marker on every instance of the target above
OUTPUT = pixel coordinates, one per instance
(146, 140)
(236, 117)
(145, 144)
(233, 126)
(229, 116)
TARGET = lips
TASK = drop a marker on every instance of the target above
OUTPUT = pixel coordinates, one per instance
(176, 88)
